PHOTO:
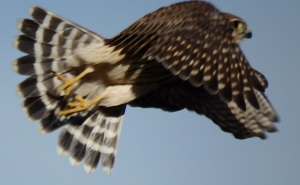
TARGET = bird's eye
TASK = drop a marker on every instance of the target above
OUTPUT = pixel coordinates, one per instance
(236, 24)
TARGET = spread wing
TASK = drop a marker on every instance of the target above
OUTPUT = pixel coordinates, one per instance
(230, 118)
(194, 41)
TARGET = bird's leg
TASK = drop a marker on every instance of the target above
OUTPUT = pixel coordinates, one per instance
(67, 86)
(80, 104)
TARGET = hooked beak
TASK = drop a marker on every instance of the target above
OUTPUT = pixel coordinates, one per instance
(248, 35)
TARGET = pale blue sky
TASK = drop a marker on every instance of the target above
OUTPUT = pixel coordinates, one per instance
(157, 147)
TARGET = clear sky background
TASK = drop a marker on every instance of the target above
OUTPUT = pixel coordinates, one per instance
(157, 147)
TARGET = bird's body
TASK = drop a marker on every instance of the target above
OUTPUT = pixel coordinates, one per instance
(184, 56)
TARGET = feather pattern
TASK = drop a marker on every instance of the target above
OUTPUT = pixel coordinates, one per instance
(49, 42)
(194, 46)
(184, 56)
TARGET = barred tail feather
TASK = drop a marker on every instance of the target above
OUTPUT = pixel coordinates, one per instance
(49, 42)
(29, 65)
(55, 22)
(96, 139)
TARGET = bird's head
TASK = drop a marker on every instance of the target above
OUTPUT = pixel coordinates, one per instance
(239, 27)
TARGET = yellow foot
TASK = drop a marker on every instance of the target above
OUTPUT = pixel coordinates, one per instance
(80, 104)
(67, 86)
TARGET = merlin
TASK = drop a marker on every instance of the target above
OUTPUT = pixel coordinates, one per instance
(183, 56)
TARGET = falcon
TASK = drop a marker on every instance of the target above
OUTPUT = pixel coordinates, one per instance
(183, 56)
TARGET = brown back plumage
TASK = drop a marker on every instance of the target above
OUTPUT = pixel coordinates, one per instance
(184, 56)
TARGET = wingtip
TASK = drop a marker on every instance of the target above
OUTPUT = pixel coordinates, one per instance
(262, 136)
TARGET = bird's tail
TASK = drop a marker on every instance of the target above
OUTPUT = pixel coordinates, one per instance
(96, 138)
(49, 41)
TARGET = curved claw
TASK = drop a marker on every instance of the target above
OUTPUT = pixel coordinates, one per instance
(67, 86)
(80, 104)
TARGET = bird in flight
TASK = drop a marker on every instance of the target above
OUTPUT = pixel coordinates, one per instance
(183, 56)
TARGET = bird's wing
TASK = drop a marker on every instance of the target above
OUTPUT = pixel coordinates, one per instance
(242, 124)
(194, 41)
